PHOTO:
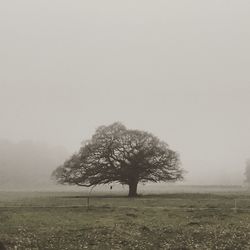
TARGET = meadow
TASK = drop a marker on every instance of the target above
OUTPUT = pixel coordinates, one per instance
(67, 220)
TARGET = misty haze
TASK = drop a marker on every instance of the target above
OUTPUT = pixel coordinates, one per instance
(165, 68)
(162, 88)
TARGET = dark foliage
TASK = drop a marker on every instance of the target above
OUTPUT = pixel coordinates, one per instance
(117, 154)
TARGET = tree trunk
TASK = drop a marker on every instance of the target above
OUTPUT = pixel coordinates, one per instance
(133, 189)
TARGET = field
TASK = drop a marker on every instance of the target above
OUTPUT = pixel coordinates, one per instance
(65, 220)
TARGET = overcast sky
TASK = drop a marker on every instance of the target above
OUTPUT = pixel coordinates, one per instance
(179, 69)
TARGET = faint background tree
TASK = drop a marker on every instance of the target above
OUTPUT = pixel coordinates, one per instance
(247, 172)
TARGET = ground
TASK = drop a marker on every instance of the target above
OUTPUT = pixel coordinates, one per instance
(63, 220)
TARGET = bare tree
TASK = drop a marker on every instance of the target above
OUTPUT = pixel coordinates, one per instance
(117, 154)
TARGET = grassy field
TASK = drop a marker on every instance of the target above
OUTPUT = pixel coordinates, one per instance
(62, 220)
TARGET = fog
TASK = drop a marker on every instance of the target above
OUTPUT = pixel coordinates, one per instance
(28, 165)
(178, 69)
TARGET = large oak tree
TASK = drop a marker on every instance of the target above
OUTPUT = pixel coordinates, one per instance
(117, 154)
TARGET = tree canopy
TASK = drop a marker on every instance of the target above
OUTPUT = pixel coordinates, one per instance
(117, 154)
